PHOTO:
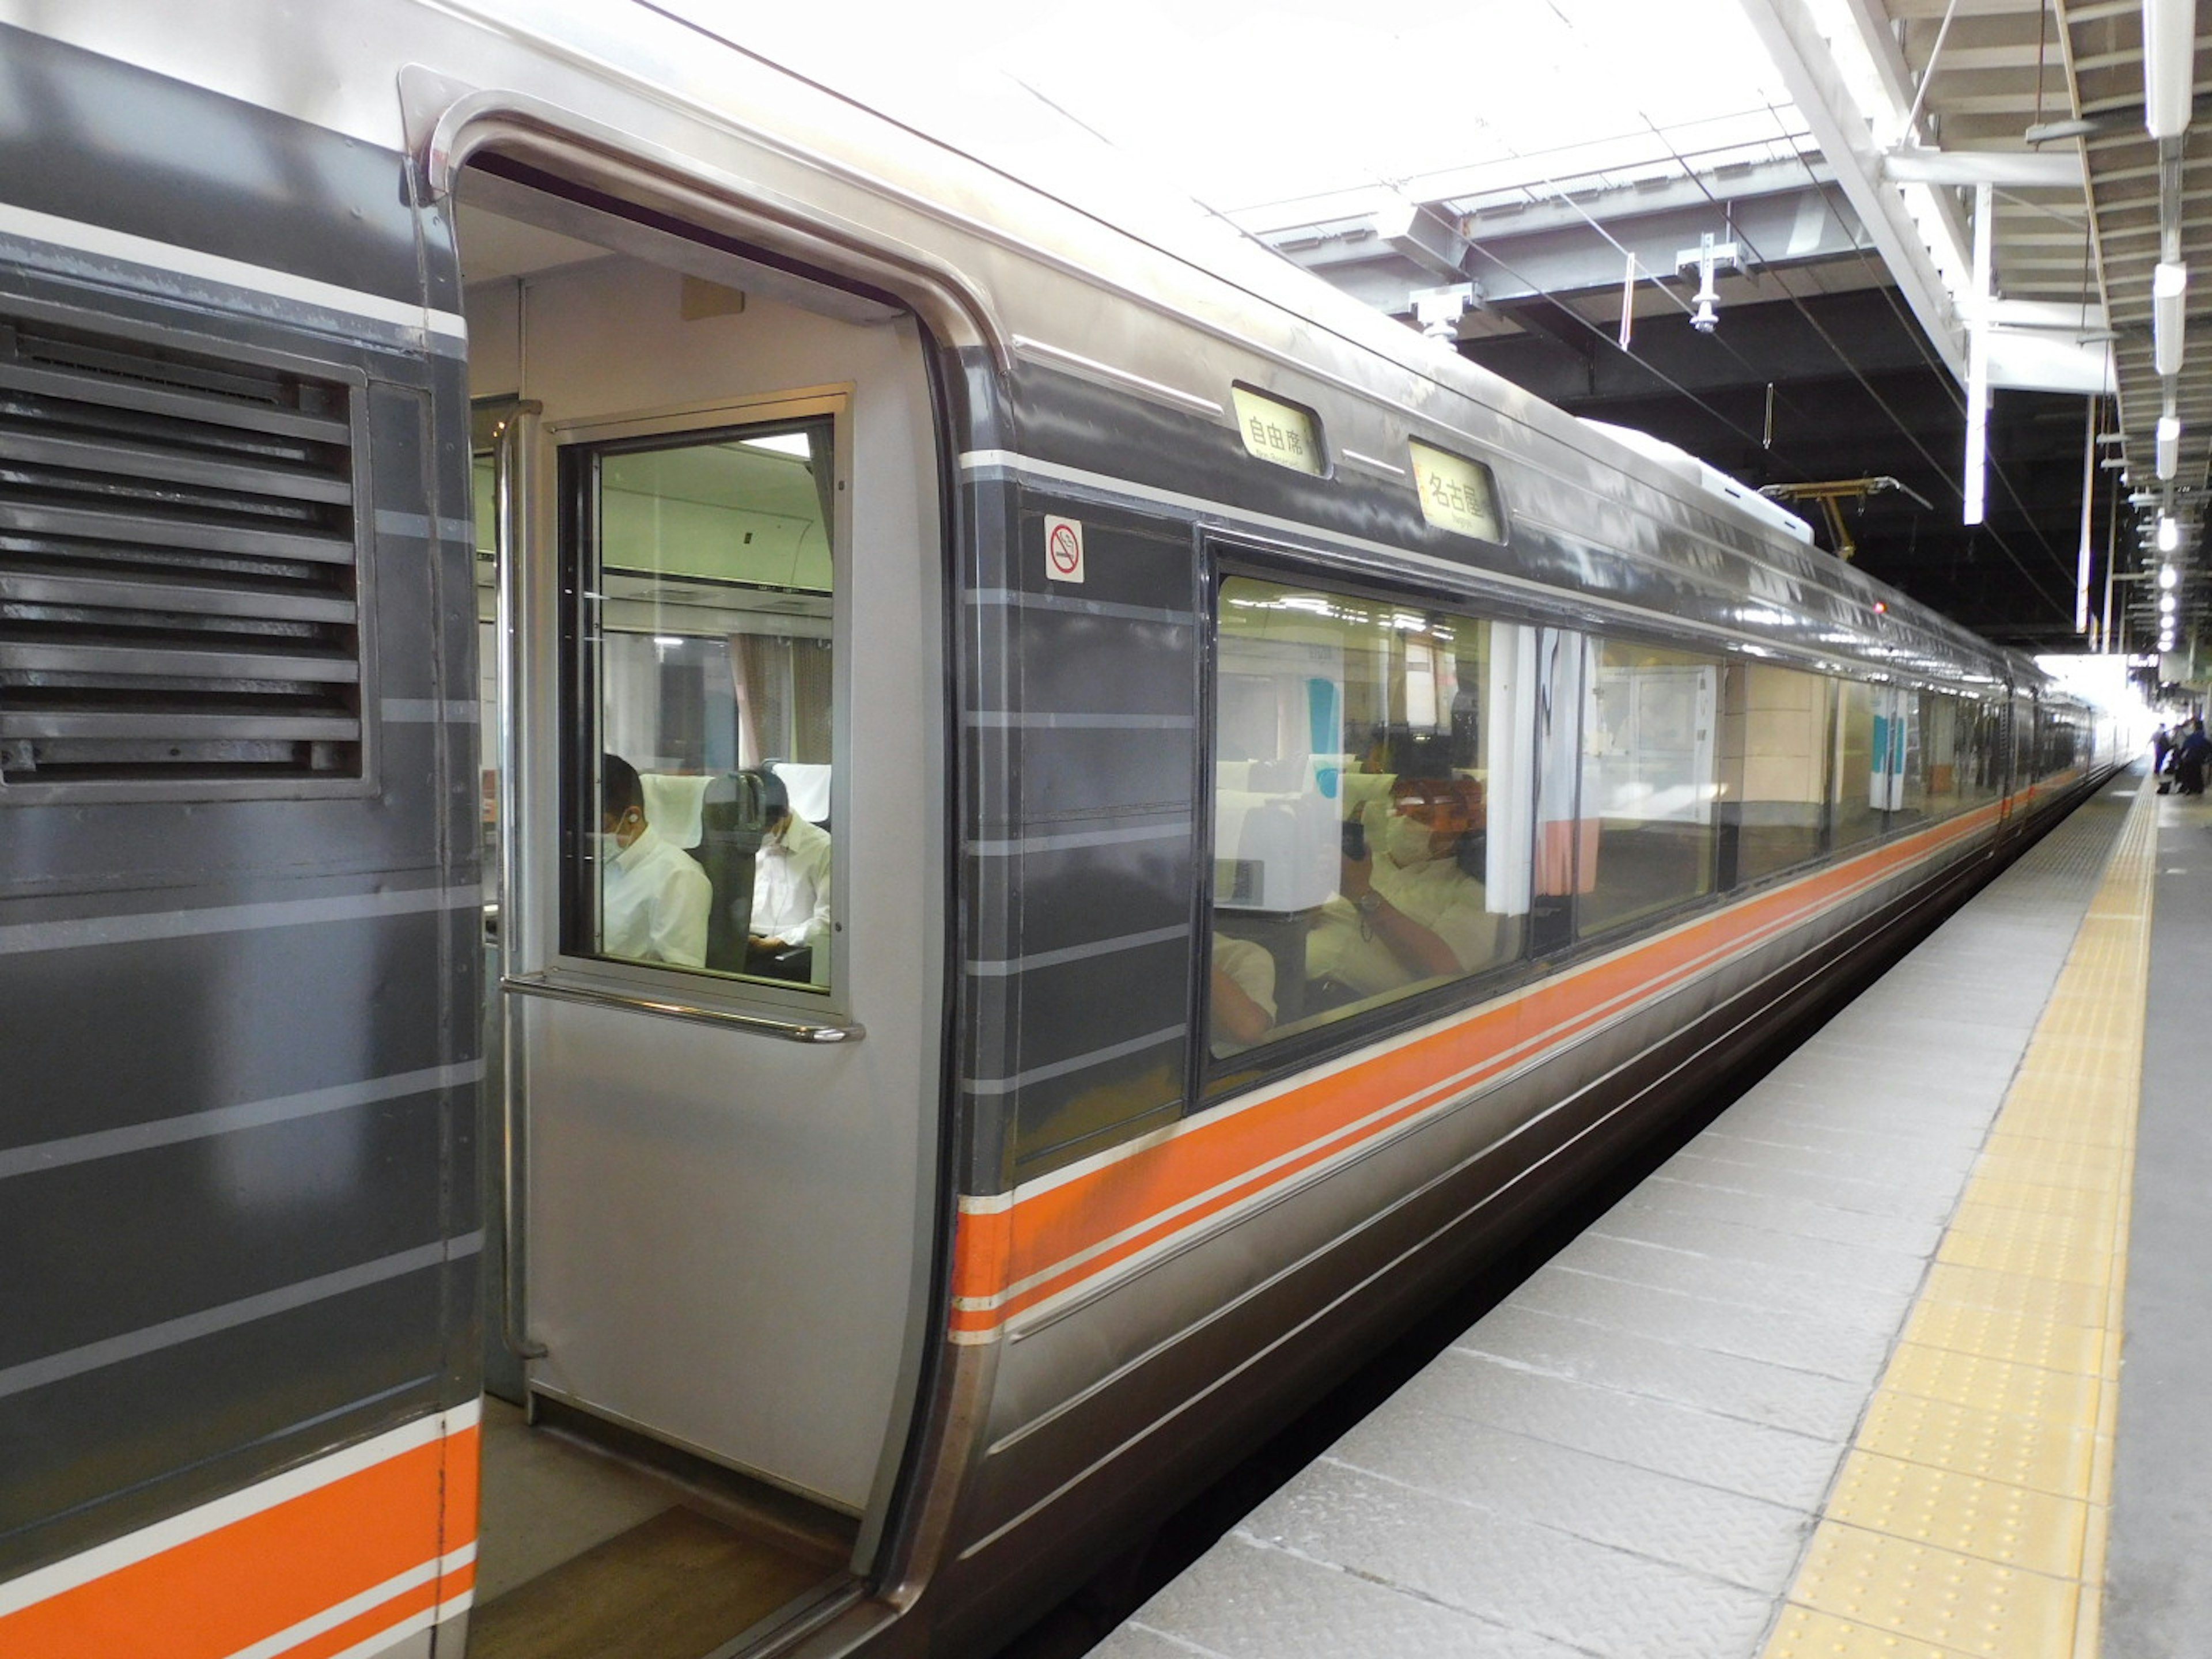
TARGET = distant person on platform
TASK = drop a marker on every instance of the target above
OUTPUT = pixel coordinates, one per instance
(654, 897)
(2161, 746)
(2190, 758)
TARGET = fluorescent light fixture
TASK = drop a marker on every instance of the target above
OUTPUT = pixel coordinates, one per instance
(2165, 605)
(2169, 533)
(667, 641)
(2168, 575)
(2169, 445)
(783, 443)
(2169, 28)
(2169, 286)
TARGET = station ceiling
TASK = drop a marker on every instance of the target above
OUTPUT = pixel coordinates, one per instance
(1842, 332)
(1503, 173)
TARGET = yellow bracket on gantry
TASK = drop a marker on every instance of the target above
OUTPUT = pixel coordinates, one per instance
(1972, 1513)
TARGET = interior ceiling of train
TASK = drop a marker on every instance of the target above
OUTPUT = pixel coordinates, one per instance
(1791, 236)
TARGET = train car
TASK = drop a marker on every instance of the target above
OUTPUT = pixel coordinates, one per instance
(748, 882)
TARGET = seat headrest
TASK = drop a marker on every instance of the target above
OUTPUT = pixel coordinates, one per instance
(672, 806)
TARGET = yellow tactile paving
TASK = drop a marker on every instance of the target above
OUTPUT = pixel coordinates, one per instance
(1895, 1585)
(2003, 1386)
(2049, 1457)
(2031, 1257)
(1998, 1335)
(1805, 1634)
(1992, 1519)
(1972, 1514)
(2046, 1298)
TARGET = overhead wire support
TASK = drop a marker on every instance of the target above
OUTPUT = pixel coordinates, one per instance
(1829, 494)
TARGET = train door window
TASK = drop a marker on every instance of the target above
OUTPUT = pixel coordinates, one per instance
(1946, 752)
(1774, 767)
(1372, 791)
(1649, 779)
(698, 642)
(1981, 777)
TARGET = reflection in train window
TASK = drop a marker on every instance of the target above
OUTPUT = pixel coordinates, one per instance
(1372, 836)
(699, 651)
(1774, 766)
(1949, 776)
(1650, 782)
(1862, 738)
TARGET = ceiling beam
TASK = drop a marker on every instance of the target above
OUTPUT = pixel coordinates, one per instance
(1785, 28)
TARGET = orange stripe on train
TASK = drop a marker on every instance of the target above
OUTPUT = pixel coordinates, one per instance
(1053, 1237)
(210, 1597)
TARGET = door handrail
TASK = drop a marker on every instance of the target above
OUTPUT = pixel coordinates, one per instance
(792, 1030)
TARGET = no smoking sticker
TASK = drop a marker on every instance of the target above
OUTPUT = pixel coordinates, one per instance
(1063, 550)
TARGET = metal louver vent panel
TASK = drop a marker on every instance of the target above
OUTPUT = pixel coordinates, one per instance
(180, 584)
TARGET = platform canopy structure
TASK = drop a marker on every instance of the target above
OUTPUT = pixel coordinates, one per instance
(1893, 260)
(1931, 216)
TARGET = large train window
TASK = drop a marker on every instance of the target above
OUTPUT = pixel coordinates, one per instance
(1372, 836)
(698, 630)
(1649, 783)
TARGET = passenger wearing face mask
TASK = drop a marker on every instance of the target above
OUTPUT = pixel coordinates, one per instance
(1405, 910)
(654, 897)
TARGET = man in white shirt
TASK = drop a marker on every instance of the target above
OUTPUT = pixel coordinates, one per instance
(790, 897)
(654, 897)
(1406, 911)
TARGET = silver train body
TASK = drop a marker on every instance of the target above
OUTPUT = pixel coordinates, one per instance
(975, 1243)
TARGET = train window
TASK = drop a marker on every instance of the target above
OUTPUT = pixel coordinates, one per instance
(1982, 776)
(1943, 785)
(1774, 766)
(1861, 798)
(1371, 834)
(698, 647)
(1287, 433)
(1456, 494)
(1650, 781)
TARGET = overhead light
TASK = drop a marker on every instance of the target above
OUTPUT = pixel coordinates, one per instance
(2169, 533)
(2165, 605)
(796, 444)
(2169, 284)
(2168, 575)
(2169, 29)
(2169, 445)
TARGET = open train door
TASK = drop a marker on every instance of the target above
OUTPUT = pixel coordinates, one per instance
(713, 743)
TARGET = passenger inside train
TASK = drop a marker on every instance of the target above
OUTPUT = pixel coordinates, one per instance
(790, 928)
(654, 897)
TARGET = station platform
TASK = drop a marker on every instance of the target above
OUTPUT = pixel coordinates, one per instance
(1903, 1355)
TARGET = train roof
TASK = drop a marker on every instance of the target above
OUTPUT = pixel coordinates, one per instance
(1589, 511)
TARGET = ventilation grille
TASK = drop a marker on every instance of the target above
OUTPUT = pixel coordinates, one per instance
(179, 586)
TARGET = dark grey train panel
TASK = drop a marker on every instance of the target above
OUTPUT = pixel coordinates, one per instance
(1072, 777)
(237, 1149)
(128, 1244)
(104, 1038)
(151, 1435)
(1079, 755)
(102, 141)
